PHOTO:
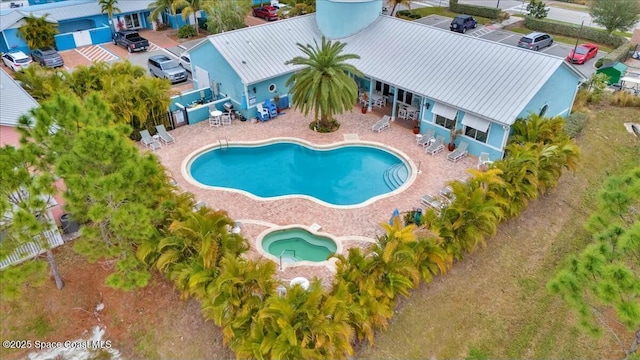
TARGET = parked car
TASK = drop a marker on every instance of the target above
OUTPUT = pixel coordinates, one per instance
(163, 67)
(130, 40)
(185, 61)
(462, 23)
(16, 60)
(535, 41)
(583, 53)
(282, 9)
(266, 12)
(48, 57)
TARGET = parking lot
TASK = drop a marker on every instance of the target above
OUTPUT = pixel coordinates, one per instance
(494, 33)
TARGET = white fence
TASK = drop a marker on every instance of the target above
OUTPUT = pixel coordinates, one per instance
(32, 249)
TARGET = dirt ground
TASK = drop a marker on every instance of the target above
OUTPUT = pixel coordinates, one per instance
(147, 323)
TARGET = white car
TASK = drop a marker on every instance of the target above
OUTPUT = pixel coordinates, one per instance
(283, 9)
(185, 61)
(16, 60)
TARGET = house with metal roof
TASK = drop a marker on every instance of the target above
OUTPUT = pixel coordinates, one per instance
(80, 22)
(15, 103)
(454, 81)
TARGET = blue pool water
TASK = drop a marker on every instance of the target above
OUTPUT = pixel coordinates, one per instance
(346, 175)
(298, 244)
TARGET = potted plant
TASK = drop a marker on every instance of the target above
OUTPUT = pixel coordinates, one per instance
(453, 134)
(276, 99)
(365, 102)
(416, 127)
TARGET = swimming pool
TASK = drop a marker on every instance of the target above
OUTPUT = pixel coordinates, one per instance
(296, 244)
(337, 175)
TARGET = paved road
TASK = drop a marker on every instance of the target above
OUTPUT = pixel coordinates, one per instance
(511, 38)
(141, 58)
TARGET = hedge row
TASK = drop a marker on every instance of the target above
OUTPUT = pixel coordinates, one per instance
(483, 11)
(408, 14)
(587, 33)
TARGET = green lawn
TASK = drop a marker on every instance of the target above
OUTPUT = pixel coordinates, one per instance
(558, 38)
(494, 303)
(443, 11)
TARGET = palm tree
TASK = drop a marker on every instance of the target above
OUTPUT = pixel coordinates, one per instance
(38, 32)
(159, 8)
(238, 294)
(324, 84)
(537, 129)
(395, 3)
(226, 15)
(40, 83)
(109, 7)
(190, 7)
(520, 173)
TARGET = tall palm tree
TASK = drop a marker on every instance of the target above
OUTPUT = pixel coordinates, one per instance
(190, 7)
(520, 174)
(395, 3)
(159, 8)
(109, 7)
(324, 84)
(38, 32)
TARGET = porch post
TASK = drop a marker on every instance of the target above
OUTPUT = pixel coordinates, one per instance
(395, 102)
(369, 107)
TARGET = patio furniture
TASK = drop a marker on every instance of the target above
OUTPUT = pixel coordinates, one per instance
(271, 107)
(148, 141)
(263, 114)
(483, 160)
(214, 118)
(432, 202)
(402, 113)
(226, 119)
(436, 147)
(381, 124)
(164, 135)
(427, 138)
(458, 153)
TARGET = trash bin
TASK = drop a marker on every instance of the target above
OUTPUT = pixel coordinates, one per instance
(69, 226)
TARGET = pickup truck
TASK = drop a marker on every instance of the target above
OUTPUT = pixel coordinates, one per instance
(130, 40)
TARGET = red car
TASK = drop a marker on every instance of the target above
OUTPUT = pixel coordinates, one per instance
(583, 53)
(266, 12)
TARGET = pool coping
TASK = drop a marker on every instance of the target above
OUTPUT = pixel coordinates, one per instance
(413, 173)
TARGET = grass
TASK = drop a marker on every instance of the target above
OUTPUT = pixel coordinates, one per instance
(558, 38)
(494, 303)
(443, 11)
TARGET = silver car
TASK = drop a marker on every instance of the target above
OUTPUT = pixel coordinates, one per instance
(535, 41)
(163, 67)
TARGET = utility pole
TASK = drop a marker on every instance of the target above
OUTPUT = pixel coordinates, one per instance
(577, 39)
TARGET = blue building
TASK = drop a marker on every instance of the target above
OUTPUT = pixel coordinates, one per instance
(80, 22)
(455, 81)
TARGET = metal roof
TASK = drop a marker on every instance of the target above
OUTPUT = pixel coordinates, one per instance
(14, 100)
(66, 10)
(259, 52)
(485, 78)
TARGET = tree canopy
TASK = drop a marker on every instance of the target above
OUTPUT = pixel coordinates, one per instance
(619, 15)
(38, 32)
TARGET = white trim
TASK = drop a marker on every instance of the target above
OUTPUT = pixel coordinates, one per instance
(476, 122)
(444, 111)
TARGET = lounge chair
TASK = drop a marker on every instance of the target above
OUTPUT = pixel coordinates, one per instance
(426, 139)
(431, 201)
(148, 141)
(483, 160)
(164, 135)
(381, 124)
(436, 147)
(458, 153)
(263, 114)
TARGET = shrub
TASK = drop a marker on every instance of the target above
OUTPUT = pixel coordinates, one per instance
(186, 31)
(403, 12)
(587, 33)
(483, 11)
(161, 26)
(599, 63)
(574, 124)
(618, 54)
(624, 98)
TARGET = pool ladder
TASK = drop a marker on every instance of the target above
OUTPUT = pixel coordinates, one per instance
(282, 254)
(223, 143)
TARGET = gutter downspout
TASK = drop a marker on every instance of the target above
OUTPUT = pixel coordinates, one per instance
(369, 107)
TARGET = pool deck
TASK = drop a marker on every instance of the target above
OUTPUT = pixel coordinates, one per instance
(357, 226)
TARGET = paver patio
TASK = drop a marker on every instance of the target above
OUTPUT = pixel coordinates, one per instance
(355, 226)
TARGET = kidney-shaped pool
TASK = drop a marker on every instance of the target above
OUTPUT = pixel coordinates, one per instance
(341, 175)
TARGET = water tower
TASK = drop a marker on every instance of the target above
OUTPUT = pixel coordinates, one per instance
(341, 18)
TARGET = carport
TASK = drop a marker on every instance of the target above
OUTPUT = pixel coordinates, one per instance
(631, 84)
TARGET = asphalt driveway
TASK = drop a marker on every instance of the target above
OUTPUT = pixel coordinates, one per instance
(496, 34)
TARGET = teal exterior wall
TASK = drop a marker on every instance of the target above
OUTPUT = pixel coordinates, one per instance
(558, 93)
(100, 35)
(85, 23)
(65, 42)
(337, 18)
(262, 92)
(12, 42)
